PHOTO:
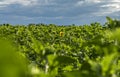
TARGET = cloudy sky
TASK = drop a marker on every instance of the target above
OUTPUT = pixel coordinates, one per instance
(61, 12)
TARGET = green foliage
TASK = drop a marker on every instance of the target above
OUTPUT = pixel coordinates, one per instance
(62, 51)
(12, 63)
(112, 24)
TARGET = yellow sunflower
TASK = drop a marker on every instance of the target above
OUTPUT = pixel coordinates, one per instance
(61, 34)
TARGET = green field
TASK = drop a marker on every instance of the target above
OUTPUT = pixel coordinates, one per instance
(41, 50)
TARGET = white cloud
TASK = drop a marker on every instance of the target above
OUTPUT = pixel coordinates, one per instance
(113, 6)
(105, 7)
(27, 3)
(107, 10)
(93, 1)
(79, 3)
(112, 0)
(22, 2)
(108, 7)
(88, 2)
(100, 1)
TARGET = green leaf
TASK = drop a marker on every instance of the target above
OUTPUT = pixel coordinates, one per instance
(64, 60)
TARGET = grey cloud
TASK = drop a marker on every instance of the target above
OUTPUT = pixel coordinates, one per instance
(59, 11)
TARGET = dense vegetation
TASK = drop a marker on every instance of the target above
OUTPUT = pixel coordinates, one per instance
(40, 50)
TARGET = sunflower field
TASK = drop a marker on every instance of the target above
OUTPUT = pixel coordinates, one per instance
(42, 50)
